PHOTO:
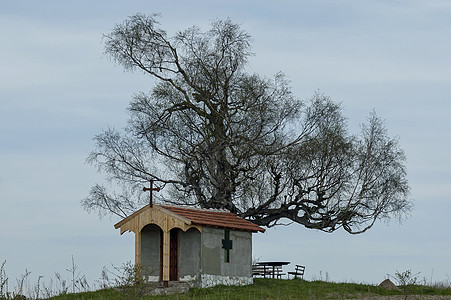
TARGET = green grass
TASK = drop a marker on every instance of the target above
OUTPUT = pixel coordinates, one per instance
(266, 289)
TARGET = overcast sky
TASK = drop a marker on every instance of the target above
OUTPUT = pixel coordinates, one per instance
(58, 90)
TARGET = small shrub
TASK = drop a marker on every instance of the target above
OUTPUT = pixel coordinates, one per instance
(406, 280)
(132, 280)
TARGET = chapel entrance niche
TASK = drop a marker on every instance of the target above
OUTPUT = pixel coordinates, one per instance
(174, 255)
(151, 251)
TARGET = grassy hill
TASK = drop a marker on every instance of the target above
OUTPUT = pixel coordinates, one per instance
(272, 289)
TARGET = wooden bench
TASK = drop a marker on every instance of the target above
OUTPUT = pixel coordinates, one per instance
(299, 271)
(267, 271)
(258, 270)
(278, 272)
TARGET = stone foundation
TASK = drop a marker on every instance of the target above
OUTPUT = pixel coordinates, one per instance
(207, 280)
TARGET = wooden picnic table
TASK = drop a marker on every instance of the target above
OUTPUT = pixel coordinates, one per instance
(274, 265)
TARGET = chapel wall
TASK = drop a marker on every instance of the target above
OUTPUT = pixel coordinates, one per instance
(212, 261)
(189, 254)
(240, 256)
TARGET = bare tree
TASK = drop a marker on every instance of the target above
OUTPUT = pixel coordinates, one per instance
(218, 137)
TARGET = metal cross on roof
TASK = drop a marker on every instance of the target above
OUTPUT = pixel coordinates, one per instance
(151, 189)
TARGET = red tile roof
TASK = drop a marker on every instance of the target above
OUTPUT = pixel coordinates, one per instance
(214, 218)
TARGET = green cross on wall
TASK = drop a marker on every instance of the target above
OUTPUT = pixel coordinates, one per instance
(226, 245)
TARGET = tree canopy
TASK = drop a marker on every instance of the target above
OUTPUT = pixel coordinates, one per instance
(215, 136)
